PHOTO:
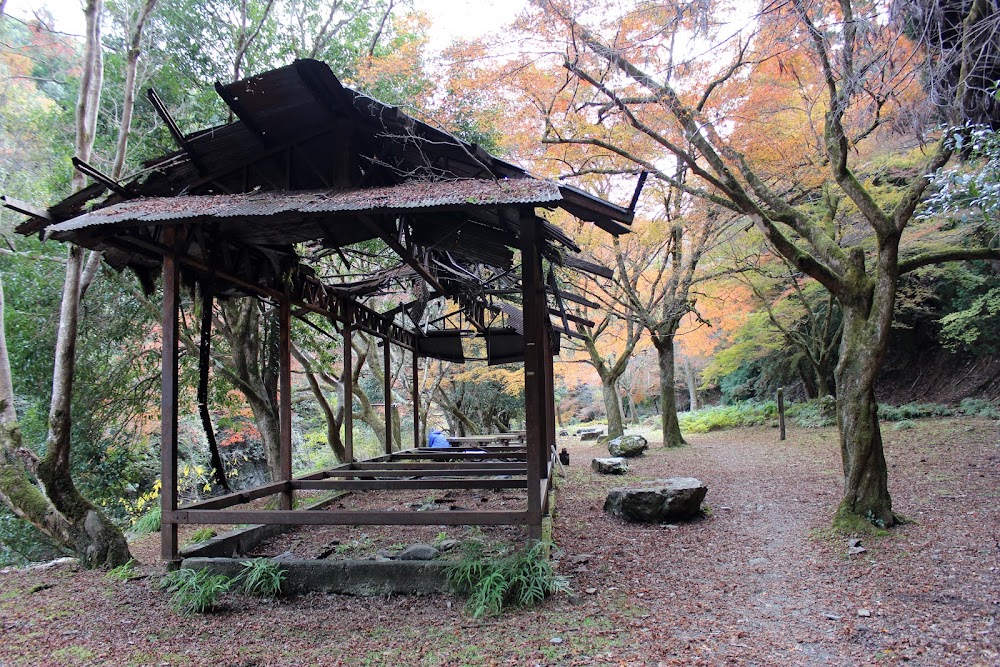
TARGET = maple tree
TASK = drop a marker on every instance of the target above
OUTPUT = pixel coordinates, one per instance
(849, 72)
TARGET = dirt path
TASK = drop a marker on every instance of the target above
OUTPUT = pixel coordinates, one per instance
(759, 582)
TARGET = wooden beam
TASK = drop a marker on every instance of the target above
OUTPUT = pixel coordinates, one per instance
(304, 301)
(428, 465)
(103, 179)
(470, 471)
(426, 484)
(387, 391)
(285, 396)
(169, 399)
(175, 132)
(403, 253)
(575, 298)
(572, 318)
(416, 399)
(350, 518)
(237, 498)
(347, 379)
(588, 267)
(449, 454)
(24, 208)
(534, 313)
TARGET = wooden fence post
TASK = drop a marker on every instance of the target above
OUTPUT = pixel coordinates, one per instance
(781, 413)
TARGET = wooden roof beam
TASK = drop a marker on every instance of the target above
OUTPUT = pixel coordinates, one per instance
(175, 131)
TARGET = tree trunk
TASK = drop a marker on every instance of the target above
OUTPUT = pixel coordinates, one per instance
(822, 384)
(621, 403)
(252, 338)
(265, 416)
(54, 506)
(612, 407)
(866, 492)
(692, 385)
(668, 398)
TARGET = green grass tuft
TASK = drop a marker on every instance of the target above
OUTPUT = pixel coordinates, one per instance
(262, 577)
(195, 591)
(149, 522)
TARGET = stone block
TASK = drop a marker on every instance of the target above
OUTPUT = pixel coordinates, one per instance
(660, 501)
(610, 466)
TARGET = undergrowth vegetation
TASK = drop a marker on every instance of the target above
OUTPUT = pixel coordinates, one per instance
(516, 578)
(820, 413)
(195, 591)
(198, 591)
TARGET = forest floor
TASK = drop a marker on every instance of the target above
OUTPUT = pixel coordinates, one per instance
(761, 580)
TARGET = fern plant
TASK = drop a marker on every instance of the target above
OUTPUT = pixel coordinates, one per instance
(522, 578)
(194, 591)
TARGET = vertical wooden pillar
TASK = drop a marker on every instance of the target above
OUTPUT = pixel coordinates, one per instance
(532, 299)
(168, 398)
(285, 398)
(781, 413)
(348, 379)
(416, 397)
(548, 394)
(387, 392)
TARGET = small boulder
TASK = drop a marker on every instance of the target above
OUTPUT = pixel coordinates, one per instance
(563, 433)
(628, 446)
(448, 544)
(591, 434)
(610, 466)
(660, 501)
(418, 552)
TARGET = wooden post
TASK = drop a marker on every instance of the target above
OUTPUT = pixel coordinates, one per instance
(168, 398)
(781, 413)
(285, 397)
(549, 393)
(387, 392)
(416, 398)
(532, 300)
(348, 381)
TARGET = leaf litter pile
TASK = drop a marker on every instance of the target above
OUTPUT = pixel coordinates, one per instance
(760, 580)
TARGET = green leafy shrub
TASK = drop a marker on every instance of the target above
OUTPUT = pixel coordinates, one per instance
(522, 578)
(149, 522)
(904, 425)
(195, 591)
(978, 407)
(261, 577)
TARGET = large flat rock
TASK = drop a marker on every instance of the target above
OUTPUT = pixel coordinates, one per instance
(660, 501)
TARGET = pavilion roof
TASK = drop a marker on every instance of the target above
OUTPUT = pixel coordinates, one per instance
(309, 164)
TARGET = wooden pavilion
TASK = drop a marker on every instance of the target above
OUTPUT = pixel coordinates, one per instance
(309, 164)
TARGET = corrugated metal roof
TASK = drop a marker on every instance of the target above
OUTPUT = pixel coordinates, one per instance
(409, 195)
